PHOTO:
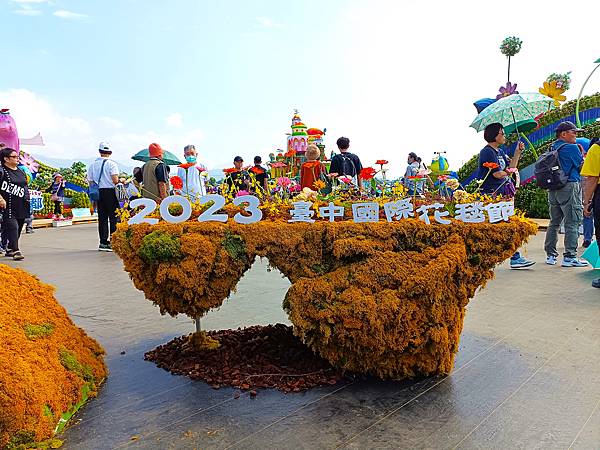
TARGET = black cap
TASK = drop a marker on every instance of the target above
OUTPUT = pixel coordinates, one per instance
(238, 158)
(566, 126)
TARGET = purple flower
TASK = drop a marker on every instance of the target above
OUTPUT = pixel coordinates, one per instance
(507, 90)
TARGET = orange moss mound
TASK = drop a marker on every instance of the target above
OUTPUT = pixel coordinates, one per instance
(381, 298)
(46, 362)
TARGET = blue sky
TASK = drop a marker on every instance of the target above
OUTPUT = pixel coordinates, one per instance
(226, 75)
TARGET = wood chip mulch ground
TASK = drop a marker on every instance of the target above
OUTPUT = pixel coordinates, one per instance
(249, 358)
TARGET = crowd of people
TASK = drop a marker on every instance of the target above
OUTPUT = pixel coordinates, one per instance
(575, 204)
(569, 206)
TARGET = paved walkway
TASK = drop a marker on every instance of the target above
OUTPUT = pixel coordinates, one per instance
(527, 374)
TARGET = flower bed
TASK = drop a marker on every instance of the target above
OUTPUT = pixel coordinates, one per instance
(48, 366)
(380, 298)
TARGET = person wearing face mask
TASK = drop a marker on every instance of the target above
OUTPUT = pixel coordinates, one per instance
(192, 175)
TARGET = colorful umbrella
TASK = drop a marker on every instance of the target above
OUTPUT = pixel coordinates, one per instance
(168, 158)
(512, 110)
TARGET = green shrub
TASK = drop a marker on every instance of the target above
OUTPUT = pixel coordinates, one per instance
(159, 246)
(533, 201)
(70, 362)
(35, 331)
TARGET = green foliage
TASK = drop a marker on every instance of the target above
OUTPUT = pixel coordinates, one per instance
(21, 440)
(159, 246)
(235, 246)
(533, 201)
(80, 200)
(36, 331)
(563, 80)
(511, 46)
(70, 362)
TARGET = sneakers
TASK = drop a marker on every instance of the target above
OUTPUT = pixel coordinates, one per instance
(105, 248)
(521, 263)
(551, 259)
(18, 256)
(574, 262)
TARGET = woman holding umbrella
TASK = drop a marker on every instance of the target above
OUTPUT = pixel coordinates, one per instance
(495, 169)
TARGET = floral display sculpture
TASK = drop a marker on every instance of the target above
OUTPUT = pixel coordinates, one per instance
(371, 296)
(48, 366)
(510, 47)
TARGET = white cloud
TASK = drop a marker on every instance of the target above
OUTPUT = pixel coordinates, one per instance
(69, 15)
(266, 22)
(175, 120)
(28, 12)
(77, 138)
(112, 122)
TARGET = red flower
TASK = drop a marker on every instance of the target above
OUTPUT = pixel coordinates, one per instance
(367, 173)
(443, 178)
(186, 165)
(230, 170)
(176, 182)
(256, 170)
(381, 162)
(490, 165)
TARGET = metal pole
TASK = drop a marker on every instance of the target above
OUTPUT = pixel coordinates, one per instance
(581, 92)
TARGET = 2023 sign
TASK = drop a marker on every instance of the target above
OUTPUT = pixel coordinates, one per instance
(149, 206)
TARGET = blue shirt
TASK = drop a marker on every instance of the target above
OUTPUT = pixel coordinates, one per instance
(489, 155)
(570, 159)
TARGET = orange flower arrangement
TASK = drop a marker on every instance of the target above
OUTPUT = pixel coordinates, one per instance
(47, 364)
(176, 182)
(367, 173)
(381, 298)
(290, 154)
(256, 170)
(230, 170)
(490, 165)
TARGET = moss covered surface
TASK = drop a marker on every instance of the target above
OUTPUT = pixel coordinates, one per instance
(47, 365)
(381, 298)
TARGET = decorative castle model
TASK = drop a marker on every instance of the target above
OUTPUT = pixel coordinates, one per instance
(289, 163)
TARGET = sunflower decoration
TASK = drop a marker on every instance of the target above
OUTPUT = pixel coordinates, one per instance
(551, 89)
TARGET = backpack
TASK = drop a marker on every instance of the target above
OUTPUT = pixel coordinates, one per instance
(347, 165)
(548, 173)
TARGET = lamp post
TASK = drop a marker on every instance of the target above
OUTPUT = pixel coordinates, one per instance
(581, 92)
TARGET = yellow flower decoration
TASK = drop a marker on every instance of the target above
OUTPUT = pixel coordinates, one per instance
(551, 90)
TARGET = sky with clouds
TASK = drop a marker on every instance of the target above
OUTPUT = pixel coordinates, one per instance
(392, 76)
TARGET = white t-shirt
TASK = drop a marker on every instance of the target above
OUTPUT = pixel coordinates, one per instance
(110, 168)
(193, 183)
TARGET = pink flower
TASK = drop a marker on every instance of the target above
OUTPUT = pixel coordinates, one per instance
(283, 181)
(443, 178)
(345, 179)
(240, 193)
(511, 169)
